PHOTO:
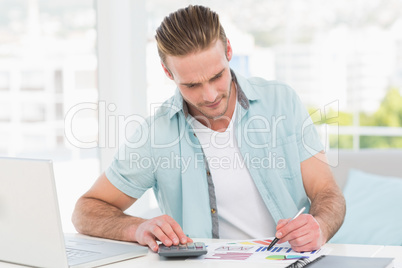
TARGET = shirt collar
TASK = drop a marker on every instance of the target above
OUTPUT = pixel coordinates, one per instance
(245, 94)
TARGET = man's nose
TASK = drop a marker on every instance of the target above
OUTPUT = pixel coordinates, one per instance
(210, 93)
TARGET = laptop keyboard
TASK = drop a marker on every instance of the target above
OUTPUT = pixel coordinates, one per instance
(73, 254)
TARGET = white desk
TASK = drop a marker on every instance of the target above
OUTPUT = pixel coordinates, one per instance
(154, 260)
(392, 252)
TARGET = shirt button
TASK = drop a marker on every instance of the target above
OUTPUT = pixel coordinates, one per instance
(213, 211)
(208, 173)
(195, 135)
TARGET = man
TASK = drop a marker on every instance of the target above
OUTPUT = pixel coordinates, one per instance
(245, 155)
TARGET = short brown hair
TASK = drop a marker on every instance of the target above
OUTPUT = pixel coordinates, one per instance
(188, 30)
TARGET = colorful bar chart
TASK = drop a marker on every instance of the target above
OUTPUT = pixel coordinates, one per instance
(285, 257)
(257, 242)
(261, 249)
(235, 256)
(255, 250)
(263, 242)
(234, 248)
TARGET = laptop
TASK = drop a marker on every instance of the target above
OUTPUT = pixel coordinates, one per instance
(30, 224)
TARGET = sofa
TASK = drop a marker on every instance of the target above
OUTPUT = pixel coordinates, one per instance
(381, 162)
(371, 181)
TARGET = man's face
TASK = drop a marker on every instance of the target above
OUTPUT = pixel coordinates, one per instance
(203, 79)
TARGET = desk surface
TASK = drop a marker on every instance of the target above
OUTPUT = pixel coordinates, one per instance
(392, 252)
(154, 260)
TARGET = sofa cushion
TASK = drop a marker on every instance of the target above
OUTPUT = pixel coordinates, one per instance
(373, 210)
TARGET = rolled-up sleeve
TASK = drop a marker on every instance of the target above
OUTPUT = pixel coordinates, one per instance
(308, 139)
(132, 168)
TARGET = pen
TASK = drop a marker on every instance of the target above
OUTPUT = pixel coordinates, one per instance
(277, 239)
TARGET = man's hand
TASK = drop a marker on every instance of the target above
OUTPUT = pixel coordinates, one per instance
(163, 228)
(303, 233)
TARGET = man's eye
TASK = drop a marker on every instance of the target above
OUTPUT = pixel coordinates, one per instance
(190, 86)
(217, 77)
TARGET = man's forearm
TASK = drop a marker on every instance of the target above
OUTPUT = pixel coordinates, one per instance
(97, 218)
(329, 208)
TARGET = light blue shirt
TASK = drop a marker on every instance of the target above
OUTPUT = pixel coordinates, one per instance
(274, 133)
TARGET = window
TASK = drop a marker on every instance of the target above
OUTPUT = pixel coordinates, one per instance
(47, 66)
(5, 109)
(33, 112)
(4, 81)
(85, 79)
(32, 80)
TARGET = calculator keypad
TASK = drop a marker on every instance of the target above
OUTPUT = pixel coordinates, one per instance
(183, 250)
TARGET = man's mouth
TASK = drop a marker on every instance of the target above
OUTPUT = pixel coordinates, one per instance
(215, 104)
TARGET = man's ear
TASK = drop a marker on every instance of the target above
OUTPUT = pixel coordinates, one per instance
(167, 71)
(229, 51)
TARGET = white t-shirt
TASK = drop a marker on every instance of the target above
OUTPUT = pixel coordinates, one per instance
(242, 213)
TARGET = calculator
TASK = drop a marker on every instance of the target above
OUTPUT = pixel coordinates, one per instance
(183, 250)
